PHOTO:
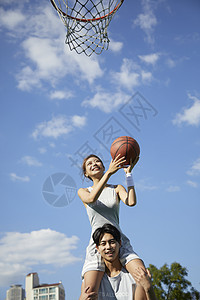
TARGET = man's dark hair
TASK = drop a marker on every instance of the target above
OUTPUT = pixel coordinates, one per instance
(106, 228)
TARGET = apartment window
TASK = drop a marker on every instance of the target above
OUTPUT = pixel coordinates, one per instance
(35, 292)
(43, 291)
(52, 290)
(52, 296)
(43, 297)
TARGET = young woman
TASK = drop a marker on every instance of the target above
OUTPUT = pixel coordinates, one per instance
(101, 201)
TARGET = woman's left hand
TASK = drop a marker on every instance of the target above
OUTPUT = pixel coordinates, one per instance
(130, 167)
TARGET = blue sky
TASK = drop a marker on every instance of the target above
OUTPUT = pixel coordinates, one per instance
(56, 104)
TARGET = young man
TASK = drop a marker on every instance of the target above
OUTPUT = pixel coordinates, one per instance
(117, 283)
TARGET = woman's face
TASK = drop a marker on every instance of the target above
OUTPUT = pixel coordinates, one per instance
(93, 167)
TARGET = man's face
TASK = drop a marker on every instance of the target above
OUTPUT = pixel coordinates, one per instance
(109, 247)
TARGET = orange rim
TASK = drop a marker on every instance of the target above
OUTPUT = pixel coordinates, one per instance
(86, 20)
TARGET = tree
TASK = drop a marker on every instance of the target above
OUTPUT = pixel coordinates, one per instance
(171, 283)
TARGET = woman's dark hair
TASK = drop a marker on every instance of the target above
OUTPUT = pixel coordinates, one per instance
(84, 163)
(106, 228)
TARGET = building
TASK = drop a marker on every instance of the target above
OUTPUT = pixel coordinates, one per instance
(16, 292)
(37, 291)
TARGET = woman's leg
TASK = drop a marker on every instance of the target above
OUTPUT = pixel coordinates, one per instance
(139, 293)
(144, 281)
(131, 267)
(92, 280)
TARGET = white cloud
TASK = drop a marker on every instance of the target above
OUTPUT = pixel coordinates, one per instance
(46, 58)
(58, 126)
(192, 183)
(145, 185)
(150, 58)
(130, 75)
(171, 63)
(106, 101)
(12, 1)
(42, 52)
(19, 252)
(15, 177)
(78, 121)
(147, 20)
(30, 161)
(115, 46)
(173, 188)
(127, 77)
(195, 169)
(83, 67)
(50, 61)
(191, 115)
(27, 79)
(11, 19)
(42, 150)
(52, 145)
(61, 95)
(146, 76)
(47, 65)
(191, 37)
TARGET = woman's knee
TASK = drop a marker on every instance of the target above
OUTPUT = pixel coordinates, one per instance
(135, 263)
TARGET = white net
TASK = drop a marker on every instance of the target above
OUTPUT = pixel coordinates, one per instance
(87, 22)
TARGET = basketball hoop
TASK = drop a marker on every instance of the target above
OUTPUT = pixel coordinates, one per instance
(87, 22)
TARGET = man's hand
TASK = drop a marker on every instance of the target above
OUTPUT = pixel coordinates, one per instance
(143, 278)
(88, 296)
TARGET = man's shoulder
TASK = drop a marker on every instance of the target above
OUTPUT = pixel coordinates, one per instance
(124, 274)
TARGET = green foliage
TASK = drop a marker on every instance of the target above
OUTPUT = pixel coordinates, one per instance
(170, 283)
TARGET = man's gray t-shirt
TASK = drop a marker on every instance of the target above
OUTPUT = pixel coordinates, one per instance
(120, 287)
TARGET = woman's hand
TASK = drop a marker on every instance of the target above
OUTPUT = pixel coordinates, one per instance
(116, 164)
(129, 168)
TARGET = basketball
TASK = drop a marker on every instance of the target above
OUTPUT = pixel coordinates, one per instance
(125, 146)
